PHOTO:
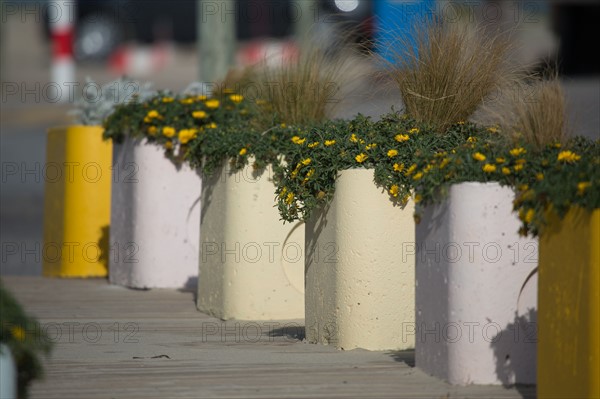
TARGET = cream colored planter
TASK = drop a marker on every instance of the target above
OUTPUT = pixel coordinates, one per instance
(155, 219)
(8, 374)
(359, 286)
(251, 265)
(476, 292)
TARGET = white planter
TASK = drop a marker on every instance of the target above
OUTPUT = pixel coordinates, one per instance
(8, 374)
(359, 286)
(252, 264)
(472, 284)
(155, 219)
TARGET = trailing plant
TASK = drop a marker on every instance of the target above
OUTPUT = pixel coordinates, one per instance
(389, 146)
(23, 336)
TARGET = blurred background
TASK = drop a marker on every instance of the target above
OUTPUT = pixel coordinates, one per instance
(158, 41)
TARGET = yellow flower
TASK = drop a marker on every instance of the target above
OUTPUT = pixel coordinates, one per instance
(353, 138)
(471, 140)
(167, 99)
(392, 153)
(243, 151)
(479, 157)
(492, 129)
(228, 90)
(460, 122)
(500, 160)
(539, 176)
(515, 152)
(360, 158)
(282, 193)
(505, 171)
(153, 114)
(521, 161)
(283, 125)
(582, 187)
(199, 114)
(201, 98)
(313, 145)
(18, 332)
(168, 131)
(212, 125)
(298, 140)
(369, 146)
(401, 137)
(568, 157)
(329, 142)
(310, 173)
(410, 170)
(236, 98)
(185, 135)
(444, 162)
(529, 215)
(398, 167)
(417, 176)
(418, 198)
(557, 145)
(188, 100)
(306, 161)
(168, 145)
(289, 199)
(394, 190)
(414, 130)
(212, 104)
(152, 130)
(518, 167)
(489, 168)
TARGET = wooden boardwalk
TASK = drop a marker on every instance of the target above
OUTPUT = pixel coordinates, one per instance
(113, 342)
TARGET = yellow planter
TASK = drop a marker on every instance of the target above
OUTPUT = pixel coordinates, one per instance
(77, 202)
(569, 307)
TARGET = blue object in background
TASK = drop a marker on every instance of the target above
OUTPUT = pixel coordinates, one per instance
(396, 23)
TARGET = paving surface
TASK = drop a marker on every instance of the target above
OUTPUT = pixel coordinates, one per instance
(112, 342)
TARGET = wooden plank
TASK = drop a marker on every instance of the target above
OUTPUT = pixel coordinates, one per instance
(113, 342)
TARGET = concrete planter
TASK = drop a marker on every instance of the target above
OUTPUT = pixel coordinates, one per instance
(476, 289)
(359, 278)
(569, 304)
(251, 265)
(8, 374)
(155, 223)
(77, 176)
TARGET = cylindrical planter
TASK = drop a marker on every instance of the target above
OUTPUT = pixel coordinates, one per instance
(569, 306)
(476, 288)
(77, 177)
(8, 374)
(360, 264)
(251, 265)
(155, 223)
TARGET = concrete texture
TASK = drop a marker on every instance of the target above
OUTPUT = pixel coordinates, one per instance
(8, 374)
(111, 342)
(77, 178)
(251, 265)
(155, 223)
(359, 287)
(476, 289)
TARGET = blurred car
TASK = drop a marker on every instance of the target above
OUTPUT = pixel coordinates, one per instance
(102, 25)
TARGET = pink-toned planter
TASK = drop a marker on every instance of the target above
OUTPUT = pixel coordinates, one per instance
(476, 289)
(155, 219)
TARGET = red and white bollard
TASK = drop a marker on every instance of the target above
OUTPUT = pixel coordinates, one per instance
(62, 20)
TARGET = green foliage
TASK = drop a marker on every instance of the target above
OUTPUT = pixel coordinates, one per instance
(23, 335)
(388, 146)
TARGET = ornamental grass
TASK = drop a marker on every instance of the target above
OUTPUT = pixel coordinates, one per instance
(305, 89)
(449, 71)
